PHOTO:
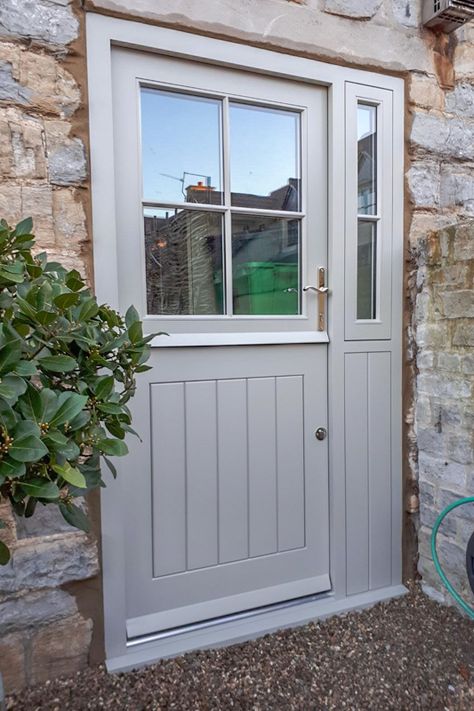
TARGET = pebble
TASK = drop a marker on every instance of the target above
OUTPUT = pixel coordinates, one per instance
(410, 654)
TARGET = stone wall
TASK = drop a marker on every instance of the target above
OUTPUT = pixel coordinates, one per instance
(44, 629)
(441, 320)
(43, 172)
(445, 395)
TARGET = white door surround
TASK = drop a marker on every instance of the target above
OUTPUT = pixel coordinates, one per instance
(364, 350)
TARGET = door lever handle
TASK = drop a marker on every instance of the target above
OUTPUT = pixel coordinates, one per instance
(317, 289)
(322, 291)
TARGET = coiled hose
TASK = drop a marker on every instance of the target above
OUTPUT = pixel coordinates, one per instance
(460, 502)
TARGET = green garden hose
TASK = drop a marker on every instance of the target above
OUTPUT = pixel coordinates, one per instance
(467, 608)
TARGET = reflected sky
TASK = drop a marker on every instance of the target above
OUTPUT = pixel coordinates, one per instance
(181, 137)
(264, 148)
(182, 146)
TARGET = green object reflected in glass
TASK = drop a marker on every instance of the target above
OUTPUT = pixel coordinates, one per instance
(265, 265)
(366, 265)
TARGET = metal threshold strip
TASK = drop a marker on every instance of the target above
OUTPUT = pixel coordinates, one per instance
(215, 621)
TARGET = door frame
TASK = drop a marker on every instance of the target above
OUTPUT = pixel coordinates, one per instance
(102, 34)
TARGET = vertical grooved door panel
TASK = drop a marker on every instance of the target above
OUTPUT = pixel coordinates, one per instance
(379, 428)
(262, 466)
(168, 478)
(357, 484)
(233, 469)
(290, 462)
(201, 473)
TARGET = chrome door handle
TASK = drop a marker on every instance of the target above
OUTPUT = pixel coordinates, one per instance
(322, 291)
(318, 289)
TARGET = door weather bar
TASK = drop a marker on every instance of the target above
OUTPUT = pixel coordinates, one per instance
(214, 622)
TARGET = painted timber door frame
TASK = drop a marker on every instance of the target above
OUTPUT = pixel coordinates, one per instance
(364, 380)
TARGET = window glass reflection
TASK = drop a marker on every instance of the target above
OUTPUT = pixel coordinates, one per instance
(265, 265)
(264, 158)
(181, 147)
(183, 254)
(367, 159)
(366, 269)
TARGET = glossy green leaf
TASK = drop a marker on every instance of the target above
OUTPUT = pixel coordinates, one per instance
(58, 363)
(75, 516)
(9, 468)
(104, 387)
(65, 301)
(131, 316)
(10, 353)
(27, 448)
(25, 227)
(40, 488)
(111, 466)
(4, 553)
(69, 406)
(25, 368)
(12, 386)
(70, 474)
(113, 446)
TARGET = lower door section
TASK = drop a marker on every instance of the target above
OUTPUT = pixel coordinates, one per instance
(229, 503)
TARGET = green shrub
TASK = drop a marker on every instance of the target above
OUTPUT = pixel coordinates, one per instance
(67, 370)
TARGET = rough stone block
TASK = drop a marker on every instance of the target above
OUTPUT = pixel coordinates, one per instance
(8, 534)
(357, 9)
(50, 87)
(12, 661)
(452, 137)
(424, 184)
(46, 522)
(37, 202)
(66, 156)
(60, 649)
(69, 217)
(432, 335)
(49, 562)
(10, 89)
(425, 92)
(464, 242)
(406, 12)
(436, 384)
(461, 100)
(464, 335)
(435, 470)
(467, 364)
(10, 203)
(37, 608)
(457, 187)
(449, 361)
(460, 447)
(27, 146)
(458, 304)
(40, 20)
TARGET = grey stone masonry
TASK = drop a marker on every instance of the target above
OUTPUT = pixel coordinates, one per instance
(445, 399)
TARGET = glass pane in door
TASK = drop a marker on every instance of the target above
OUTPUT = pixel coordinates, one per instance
(264, 157)
(181, 147)
(265, 265)
(367, 159)
(366, 270)
(183, 256)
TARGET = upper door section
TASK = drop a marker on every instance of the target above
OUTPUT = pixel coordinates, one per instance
(221, 182)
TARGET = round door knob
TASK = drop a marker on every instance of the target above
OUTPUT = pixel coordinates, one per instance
(321, 433)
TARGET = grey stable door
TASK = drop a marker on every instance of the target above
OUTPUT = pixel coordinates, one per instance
(221, 214)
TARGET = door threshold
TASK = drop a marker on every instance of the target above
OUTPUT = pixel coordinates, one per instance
(225, 619)
(243, 627)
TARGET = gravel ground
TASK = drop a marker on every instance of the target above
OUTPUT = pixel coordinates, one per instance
(410, 653)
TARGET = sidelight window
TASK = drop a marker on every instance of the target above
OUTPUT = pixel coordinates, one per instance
(369, 147)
